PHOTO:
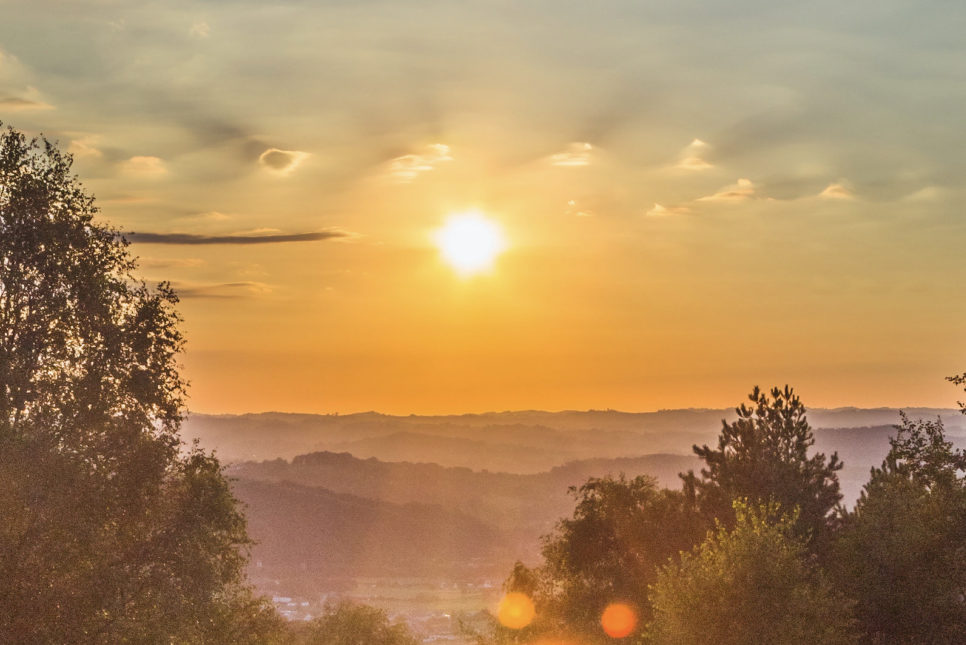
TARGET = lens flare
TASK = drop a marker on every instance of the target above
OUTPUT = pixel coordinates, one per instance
(515, 611)
(618, 620)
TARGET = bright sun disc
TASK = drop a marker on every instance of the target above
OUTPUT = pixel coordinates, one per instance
(470, 242)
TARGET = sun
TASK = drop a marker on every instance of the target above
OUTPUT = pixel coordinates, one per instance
(470, 242)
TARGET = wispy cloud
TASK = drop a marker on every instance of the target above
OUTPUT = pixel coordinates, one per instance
(282, 162)
(129, 199)
(214, 216)
(927, 194)
(189, 239)
(169, 263)
(837, 191)
(741, 191)
(662, 211)
(406, 168)
(573, 208)
(691, 159)
(225, 290)
(17, 104)
(200, 29)
(84, 147)
(694, 163)
(576, 154)
(144, 166)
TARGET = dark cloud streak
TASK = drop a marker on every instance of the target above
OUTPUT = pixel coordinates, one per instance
(188, 239)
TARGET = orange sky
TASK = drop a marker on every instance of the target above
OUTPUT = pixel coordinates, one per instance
(692, 204)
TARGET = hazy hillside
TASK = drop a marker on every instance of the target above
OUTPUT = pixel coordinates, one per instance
(522, 507)
(302, 529)
(324, 517)
(518, 442)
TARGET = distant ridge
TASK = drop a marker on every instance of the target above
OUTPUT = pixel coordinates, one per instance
(521, 442)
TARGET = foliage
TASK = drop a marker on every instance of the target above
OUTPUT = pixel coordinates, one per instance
(753, 585)
(609, 551)
(763, 456)
(353, 624)
(959, 379)
(110, 530)
(902, 552)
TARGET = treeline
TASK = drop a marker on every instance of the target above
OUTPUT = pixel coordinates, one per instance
(757, 549)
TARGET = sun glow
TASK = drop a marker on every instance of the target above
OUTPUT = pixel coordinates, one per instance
(470, 242)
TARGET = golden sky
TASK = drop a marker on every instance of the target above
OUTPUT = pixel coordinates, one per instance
(693, 197)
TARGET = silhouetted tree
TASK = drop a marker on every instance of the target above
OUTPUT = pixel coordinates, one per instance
(621, 532)
(902, 552)
(753, 585)
(763, 456)
(110, 530)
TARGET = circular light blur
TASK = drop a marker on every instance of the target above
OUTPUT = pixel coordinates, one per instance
(618, 620)
(515, 611)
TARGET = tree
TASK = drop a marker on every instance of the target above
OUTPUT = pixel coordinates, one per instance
(621, 532)
(753, 585)
(354, 624)
(763, 456)
(111, 531)
(901, 554)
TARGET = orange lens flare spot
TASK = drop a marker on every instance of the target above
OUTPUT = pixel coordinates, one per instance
(618, 620)
(515, 611)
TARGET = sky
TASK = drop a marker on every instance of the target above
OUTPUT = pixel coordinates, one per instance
(693, 197)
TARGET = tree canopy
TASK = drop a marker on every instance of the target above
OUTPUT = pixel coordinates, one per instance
(752, 585)
(902, 552)
(111, 530)
(763, 456)
(609, 551)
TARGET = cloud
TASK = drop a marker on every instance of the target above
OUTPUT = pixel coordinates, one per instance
(927, 194)
(662, 211)
(694, 163)
(14, 104)
(575, 210)
(282, 162)
(214, 216)
(576, 154)
(200, 29)
(406, 168)
(741, 191)
(84, 147)
(169, 263)
(128, 200)
(691, 160)
(837, 191)
(188, 290)
(144, 166)
(190, 239)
